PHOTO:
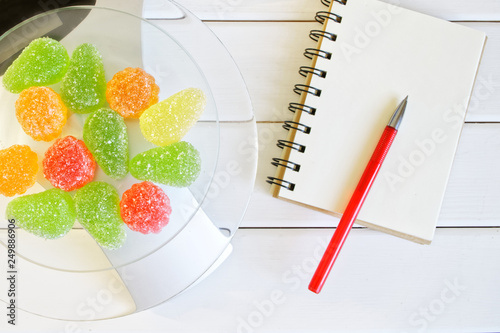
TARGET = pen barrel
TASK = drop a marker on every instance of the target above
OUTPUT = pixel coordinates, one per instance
(367, 179)
(353, 207)
(384, 144)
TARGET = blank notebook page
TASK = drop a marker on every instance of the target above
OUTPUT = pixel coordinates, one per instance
(381, 54)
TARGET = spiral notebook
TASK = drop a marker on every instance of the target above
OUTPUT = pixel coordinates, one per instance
(369, 56)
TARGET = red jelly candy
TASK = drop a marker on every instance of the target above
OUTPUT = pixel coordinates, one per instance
(145, 208)
(68, 164)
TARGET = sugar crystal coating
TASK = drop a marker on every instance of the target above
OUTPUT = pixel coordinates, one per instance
(131, 91)
(41, 113)
(145, 208)
(49, 214)
(98, 211)
(83, 88)
(105, 134)
(169, 120)
(68, 164)
(176, 165)
(18, 169)
(43, 62)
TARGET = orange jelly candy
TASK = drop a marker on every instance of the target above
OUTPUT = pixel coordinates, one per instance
(41, 113)
(18, 169)
(131, 91)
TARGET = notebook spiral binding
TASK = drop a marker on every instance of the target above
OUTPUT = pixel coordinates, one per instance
(300, 89)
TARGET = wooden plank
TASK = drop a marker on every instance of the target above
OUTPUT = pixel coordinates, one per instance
(471, 199)
(304, 10)
(394, 285)
(485, 97)
(269, 55)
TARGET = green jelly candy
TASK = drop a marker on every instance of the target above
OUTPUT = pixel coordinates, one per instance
(168, 121)
(49, 214)
(176, 165)
(98, 211)
(83, 88)
(105, 135)
(43, 62)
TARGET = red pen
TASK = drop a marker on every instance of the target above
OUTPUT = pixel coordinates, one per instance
(357, 199)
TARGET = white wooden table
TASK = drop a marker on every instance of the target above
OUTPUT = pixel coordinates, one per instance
(380, 283)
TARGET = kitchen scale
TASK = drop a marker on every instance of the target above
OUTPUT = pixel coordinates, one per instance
(73, 278)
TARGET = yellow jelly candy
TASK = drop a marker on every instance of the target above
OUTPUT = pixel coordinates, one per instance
(168, 121)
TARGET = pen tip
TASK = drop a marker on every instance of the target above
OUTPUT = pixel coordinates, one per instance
(398, 114)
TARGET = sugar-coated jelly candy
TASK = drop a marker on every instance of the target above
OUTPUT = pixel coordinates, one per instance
(43, 62)
(98, 211)
(83, 88)
(145, 208)
(131, 91)
(169, 120)
(105, 134)
(68, 164)
(176, 165)
(41, 113)
(49, 214)
(18, 169)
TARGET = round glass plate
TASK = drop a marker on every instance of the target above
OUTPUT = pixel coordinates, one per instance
(118, 36)
(77, 279)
